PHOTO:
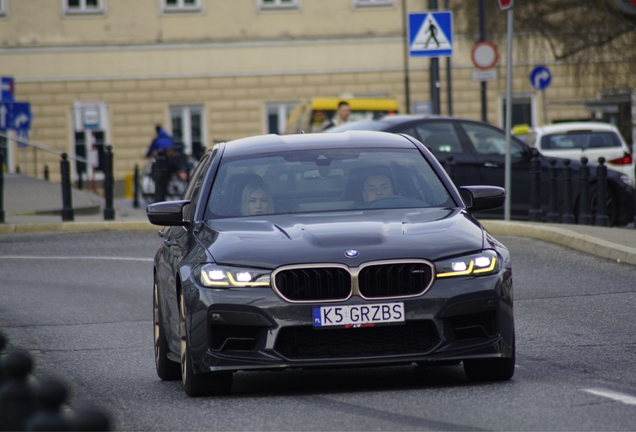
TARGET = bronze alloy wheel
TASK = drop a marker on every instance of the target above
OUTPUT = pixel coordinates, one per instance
(200, 384)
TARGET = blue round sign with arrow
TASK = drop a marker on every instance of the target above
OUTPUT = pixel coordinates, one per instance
(540, 77)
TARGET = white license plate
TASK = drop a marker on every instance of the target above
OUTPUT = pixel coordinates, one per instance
(358, 315)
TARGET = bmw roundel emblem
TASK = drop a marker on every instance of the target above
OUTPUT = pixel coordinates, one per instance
(352, 253)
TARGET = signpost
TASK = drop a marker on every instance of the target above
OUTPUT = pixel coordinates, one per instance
(507, 5)
(540, 78)
(484, 56)
(430, 34)
(15, 115)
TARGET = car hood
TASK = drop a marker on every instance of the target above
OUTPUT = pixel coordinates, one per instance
(319, 238)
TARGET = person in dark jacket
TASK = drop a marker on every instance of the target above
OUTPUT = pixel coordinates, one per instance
(162, 142)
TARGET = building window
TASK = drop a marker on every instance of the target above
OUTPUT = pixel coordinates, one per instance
(276, 116)
(181, 5)
(3, 8)
(83, 6)
(370, 3)
(187, 129)
(278, 4)
(523, 110)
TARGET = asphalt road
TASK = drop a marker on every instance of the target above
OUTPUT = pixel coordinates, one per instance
(82, 304)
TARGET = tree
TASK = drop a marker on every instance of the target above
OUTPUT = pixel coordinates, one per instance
(593, 36)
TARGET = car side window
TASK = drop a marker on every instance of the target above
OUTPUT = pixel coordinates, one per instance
(194, 186)
(440, 137)
(488, 141)
(410, 131)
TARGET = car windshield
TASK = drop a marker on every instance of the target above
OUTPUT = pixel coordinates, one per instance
(325, 181)
(368, 125)
(580, 140)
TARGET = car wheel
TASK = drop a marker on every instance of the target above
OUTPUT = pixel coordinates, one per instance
(492, 369)
(167, 369)
(612, 207)
(200, 384)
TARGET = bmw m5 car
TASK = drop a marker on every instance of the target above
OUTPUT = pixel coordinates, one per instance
(328, 250)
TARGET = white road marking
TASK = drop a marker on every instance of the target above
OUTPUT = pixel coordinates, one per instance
(43, 257)
(620, 397)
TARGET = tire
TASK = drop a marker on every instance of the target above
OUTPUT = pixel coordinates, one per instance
(167, 369)
(492, 369)
(200, 384)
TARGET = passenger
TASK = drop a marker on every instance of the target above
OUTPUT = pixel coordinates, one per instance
(376, 186)
(256, 199)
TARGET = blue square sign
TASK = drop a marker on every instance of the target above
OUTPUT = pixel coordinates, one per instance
(430, 34)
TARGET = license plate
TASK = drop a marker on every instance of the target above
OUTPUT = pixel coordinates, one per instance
(358, 315)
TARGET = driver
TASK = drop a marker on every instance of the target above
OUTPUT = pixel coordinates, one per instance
(376, 186)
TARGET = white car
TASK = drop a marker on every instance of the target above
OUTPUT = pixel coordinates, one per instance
(592, 140)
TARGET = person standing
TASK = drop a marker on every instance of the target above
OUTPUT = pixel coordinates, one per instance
(341, 117)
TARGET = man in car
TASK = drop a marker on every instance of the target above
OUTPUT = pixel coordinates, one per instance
(341, 117)
(376, 186)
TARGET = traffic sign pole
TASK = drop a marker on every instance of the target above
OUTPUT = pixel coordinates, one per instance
(508, 115)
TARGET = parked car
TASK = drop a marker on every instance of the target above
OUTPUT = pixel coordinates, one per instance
(573, 140)
(316, 250)
(478, 150)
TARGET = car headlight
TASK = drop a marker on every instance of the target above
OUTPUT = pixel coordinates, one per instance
(216, 276)
(483, 263)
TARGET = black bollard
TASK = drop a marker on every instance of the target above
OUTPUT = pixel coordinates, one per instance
(90, 418)
(160, 176)
(1, 184)
(535, 187)
(568, 215)
(584, 201)
(450, 167)
(51, 393)
(80, 180)
(109, 184)
(17, 399)
(601, 193)
(67, 205)
(46, 173)
(553, 215)
(136, 187)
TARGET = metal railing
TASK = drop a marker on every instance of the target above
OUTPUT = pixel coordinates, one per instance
(37, 147)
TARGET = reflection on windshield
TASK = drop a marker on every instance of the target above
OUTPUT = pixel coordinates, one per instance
(325, 180)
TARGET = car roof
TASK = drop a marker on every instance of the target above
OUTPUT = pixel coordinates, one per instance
(575, 126)
(342, 140)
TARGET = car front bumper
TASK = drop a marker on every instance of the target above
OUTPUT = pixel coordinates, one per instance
(254, 329)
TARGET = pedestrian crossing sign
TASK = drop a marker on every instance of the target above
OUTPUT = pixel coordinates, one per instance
(430, 34)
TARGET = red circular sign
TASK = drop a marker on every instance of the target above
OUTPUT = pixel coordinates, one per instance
(484, 55)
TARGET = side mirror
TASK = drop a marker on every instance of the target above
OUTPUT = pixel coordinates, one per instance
(167, 213)
(483, 197)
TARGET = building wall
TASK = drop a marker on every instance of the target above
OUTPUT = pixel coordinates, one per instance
(140, 62)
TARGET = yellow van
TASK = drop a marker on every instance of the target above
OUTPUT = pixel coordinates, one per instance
(310, 116)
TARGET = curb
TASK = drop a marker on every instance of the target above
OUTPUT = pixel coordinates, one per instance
(77, 226)
(564, 237)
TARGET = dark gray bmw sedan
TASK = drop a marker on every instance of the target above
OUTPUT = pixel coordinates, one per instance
(327, 250)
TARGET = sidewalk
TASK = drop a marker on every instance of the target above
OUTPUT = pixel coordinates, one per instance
(33, 205)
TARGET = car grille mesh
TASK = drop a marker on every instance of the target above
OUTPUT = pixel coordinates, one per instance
(375, 281)
(305, 342)
(389, 280)
(311, 284)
